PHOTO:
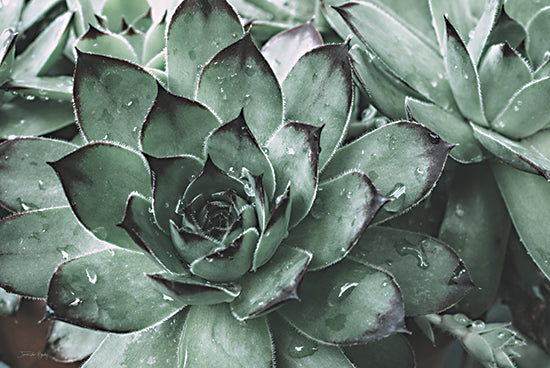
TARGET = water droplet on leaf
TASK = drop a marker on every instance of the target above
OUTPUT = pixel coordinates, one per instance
(301, 347)
(92, 276)
(406, 248)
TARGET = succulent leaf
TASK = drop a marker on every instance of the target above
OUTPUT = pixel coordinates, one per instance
(283, 50)
(132, 350)
(59, 88)
(32, 236)
(390, 352)
(272, 284)
(9, 303)
(275, 230)
(295, 350)
(239, 78)
(97, 180)
(194, 290)
(187, 54)
(139, 222)
(526, 207)
(213, 337)
(98, 42)
(7, 53)
(118, 10)
(27, 182)
(22, 117)
(451, 127)
(10, 13)
(67, 343)
(520, 155)
(309, 101)
(339, 313)
(42, 52)
(232, 147)
(176, 126)
(192, 246)
(523, 11)
(34, 11)
(81, 292)
(108, 105)
(474, 204)
(342, 210)
(502, 73)
(378, 154)
(387, 91)
(482, 31)
(376, 28)
(463, 77)
(526, 112)
(154, 41)
(167, 171)
(294, 153)
(537, 44)
(229, 263)
(429, 273)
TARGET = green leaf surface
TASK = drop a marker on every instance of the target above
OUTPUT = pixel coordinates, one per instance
(377, 29)
(295, 350)
(45, 49)
(154, 41)
(108, 291)
(386, 91)
(27, 182)
(22, 117)
(193, 290)
(232, 147)
(155, 347)
(356, 304)
(526, 112)
(176, 126)
(112, 98)
(9, 303)
(10, 13)
(171, 175)
(97, 180)
(309, 101)
(212, 337)
(34, 11)
(523, 10)
(502, 73)
(463, 77)
(275, 230)
(58, 88)
(429, 273)
(343, 209)
(481, 33)
(239, 78)
(187, 54)
(390, 352)
(543, 70)
(136, 38)
(229, 263)
(527, 199)
(476, 225)
(294, 153)
(67, 343)
(84, 14)
(520, 155)
(31, 240)
(116, 10)
(450, 127)
(271, 285)
(537, 44)
(379, 155)
(284, 49)
(7, 54)
(139, 223)
(98, 42)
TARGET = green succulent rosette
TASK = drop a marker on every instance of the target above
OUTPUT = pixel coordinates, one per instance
(184, 230)
(477, 74)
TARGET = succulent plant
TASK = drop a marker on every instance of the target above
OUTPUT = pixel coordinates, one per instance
(185, 228)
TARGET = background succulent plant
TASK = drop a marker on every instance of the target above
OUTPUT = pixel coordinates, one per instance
(195, 187)
(474, 73)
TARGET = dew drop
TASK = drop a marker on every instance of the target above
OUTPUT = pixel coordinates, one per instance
(166, 297)
(75, 302)
(100, 232)
(30, 97)
(458, 276)
(249, 70)
(63, 252)
(41, 185)
(478, 325)
(92, 276)
(516, 108)
(466, 76)
(373, 175)
(397, 195)
(130, 103)
(340, 293)
(192, 54)
(405, 248)
(461, 319)
(301, 347)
